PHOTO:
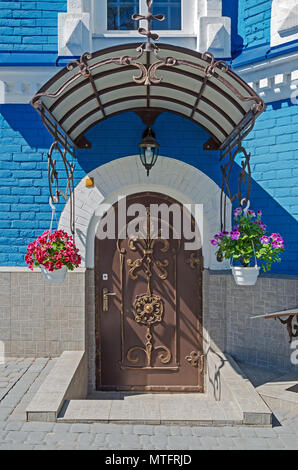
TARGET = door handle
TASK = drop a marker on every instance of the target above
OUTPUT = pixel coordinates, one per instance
(105, 299)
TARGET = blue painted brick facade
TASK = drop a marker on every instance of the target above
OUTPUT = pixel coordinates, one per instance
(27, 26)
(24, 209)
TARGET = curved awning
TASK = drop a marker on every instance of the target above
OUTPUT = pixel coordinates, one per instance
(169, 79)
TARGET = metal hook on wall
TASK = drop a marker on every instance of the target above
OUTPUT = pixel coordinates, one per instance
(243, 201)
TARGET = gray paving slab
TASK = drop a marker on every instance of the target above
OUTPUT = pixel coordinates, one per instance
(35, 437)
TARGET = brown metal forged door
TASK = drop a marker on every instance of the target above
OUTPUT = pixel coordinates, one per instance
(148, 308)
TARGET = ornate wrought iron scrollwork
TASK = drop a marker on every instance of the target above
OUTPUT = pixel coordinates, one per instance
(291, 327)
(193, 261)
(196, 360)
(244, 181)
(148, 260)
(82, 64)
(148, 308)
(149, 17)
(165, 356)
(215, 69)
(55, 191)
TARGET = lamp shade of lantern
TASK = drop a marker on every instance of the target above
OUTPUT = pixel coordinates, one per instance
(148, 149)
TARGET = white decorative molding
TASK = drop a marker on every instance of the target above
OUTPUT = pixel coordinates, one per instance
(125, 176)
(214, 30)
(84, 27)
(74, 29)
(273, 79)
(19, 84)
(284, 21)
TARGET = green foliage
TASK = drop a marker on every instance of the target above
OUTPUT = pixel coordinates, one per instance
(248, 240)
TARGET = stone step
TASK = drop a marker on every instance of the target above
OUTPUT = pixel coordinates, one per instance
(184, 409)
(230, 398)
(277, 390)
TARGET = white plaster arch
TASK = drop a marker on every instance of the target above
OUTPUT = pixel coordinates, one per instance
(126, 176)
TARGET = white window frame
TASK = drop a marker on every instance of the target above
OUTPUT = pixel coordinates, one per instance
(188, 21)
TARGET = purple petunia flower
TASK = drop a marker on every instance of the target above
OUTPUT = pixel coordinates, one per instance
(260, 224)
(259, 213)
(251, 213)
(223, 234)
(265, 240)
(277, 244)
(214, 242)
(277, 241)
(235, 235)
(238, 211)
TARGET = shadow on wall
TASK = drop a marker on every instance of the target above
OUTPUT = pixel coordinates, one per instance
(230, 8)
(117, 137)
(277, 219)
(24, 120)
(183, 140)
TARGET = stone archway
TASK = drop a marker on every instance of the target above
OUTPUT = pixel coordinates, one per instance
(126, 176)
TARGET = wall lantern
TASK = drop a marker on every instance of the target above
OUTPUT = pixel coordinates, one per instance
(148, 149)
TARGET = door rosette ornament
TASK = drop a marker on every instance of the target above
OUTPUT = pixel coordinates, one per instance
(148, 309)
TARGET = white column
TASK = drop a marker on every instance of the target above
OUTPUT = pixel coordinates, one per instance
(214, 31)
(74, 29)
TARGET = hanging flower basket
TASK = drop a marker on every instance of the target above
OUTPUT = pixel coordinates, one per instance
(245, 276)
(55, 253)
(54, 276)
(247, 242)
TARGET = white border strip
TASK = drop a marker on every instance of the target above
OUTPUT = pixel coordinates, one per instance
(24, 269)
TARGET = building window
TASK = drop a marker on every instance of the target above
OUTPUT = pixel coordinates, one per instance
(119, 13)
(172, 11)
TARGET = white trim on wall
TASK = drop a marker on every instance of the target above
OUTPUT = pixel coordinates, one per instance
(273, 79)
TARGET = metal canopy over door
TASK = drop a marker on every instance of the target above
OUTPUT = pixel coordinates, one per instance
(149, 308)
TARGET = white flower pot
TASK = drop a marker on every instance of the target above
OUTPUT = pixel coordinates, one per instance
(245, 276)
(54, 276)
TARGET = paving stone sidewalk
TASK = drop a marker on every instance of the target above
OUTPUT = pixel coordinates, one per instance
(20, 378)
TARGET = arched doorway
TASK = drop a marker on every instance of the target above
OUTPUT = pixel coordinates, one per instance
(149, 332)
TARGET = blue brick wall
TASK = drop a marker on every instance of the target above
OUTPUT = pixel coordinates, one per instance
(250, 22)
(24, 194)
(273, 145)
(26, 25)
(24, 209)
